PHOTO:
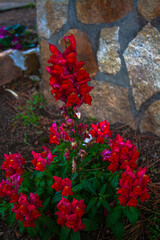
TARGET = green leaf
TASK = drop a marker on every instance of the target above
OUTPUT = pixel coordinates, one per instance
(11, 216)
(132, 214)
(21, 227)
(75, 236)
(49, 189)
(113, 217)
(40, 191)
(102, 190)
(91, 225)
(96, 184)
(6, 41)
(91, 203)
(74, 175)
(106, 205)
(77, 188)
(50, 224)
(64, 233)
(31, 231)
(46, 234)
(2, 211)
(45, 203)
(28, 45)
(87, 186)
(57, 197)
(20, 30)
(118, 230)
(12, 27)
(42, 183)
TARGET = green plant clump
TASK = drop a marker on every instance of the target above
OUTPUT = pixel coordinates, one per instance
(28, 112)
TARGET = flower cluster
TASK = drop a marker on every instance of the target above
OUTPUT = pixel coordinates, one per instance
(26, 210)
(100, 131)
(9, 188)
(70, 214)
(42, 159)
(68, 78)
(13, 164)
(14, 40)
(62, 184)
(122, 154)
(56, 135)
(133, 186)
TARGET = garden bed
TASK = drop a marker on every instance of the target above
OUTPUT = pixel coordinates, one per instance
(16, 137)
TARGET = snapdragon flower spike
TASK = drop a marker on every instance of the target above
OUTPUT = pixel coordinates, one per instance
(56, 135)
(13, 164)
(68, 79)
(27, 211)
(122, 154)
(62, 184)
(9, 188)
(133, 186)
(100, 131)
(70, 214)
(42, 159)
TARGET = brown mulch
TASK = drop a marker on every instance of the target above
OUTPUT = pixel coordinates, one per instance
(23, 16)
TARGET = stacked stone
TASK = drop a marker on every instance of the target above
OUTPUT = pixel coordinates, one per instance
(119, 41)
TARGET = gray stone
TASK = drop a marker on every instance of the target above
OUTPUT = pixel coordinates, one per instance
(108, 58)
(151, 119)
(11, 4)
(51, 16)
(109, 102)
(142, 58)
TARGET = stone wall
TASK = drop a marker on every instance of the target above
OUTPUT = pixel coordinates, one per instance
(119, 41)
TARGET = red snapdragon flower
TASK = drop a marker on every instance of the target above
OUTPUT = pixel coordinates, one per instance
(100, 131)
(122, 154)
(13, 164)
(68, 78)
(70, 214)
(62, 184)
(27, 210)
(133, 186)
(56, 135)
(42, 159)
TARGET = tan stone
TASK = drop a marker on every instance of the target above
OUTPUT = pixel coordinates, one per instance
(102, 11)
(142, 58)
(45, 55)
(108, 58)
(151, 119)
(84, 51)
(8, 70)
(149, 9)
(51, 16)
(109, 102)
(31, 63)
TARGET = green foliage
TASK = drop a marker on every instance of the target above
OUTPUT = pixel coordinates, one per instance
(91, 181)
(19, 35)
(28, 113)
